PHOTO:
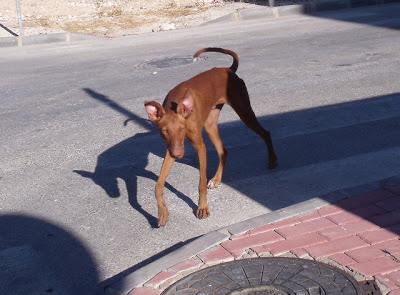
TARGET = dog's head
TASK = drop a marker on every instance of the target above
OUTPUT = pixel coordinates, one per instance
(171, 121)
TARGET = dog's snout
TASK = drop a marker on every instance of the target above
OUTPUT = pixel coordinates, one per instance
(177, 153)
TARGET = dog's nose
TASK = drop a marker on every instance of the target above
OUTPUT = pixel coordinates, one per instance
(177, 153)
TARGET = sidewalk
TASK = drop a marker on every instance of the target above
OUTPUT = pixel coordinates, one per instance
(359, 234)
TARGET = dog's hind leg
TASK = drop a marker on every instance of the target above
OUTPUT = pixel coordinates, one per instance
(240, 102)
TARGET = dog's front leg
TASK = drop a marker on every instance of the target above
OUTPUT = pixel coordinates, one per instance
(162, 207)
(202, 210)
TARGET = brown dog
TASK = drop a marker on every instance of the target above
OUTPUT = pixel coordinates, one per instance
(192, 105)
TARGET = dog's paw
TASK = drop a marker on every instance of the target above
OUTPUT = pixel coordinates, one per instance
(202, 213)
(213, 184)
(162, 216)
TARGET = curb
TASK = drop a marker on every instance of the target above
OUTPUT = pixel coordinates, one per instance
(142, 276)
(43, 39)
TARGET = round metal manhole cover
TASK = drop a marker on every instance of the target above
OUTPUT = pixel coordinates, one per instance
(166, 62)
(267, 276)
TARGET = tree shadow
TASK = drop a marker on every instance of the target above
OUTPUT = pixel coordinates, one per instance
(38, 257)
(128, 159)
(373, 12)
(108, 282)
(370, 12)
(329, 139)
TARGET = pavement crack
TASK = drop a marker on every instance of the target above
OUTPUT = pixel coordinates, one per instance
(394, 258)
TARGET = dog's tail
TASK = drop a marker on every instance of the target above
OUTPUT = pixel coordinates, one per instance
(235, 63)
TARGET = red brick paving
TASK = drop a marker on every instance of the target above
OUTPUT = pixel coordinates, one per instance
(348, 229)
(378, 236)
(360, 226)
(237, 246)
(269, 227)
(360, 233)
(145, 291)
(394, 277)
(336, 232)
(387, 282)
(344, 217)
(186, 265)
(305, 227)
(336, 246)
(217, 254)
(382, 265)
(365, 254)
(308, 217)
(329, 210)
(392, 246)
(342, 259)
(301, 253)
(160, 278)
(291, 244)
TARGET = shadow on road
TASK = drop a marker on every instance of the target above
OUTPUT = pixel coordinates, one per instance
(104, 284)
(374, 13)
(38, 257)
(128, 159)
(329, 139)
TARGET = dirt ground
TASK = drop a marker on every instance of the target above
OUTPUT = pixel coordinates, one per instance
(111, 18)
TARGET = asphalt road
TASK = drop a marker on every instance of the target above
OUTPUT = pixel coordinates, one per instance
(76, 185)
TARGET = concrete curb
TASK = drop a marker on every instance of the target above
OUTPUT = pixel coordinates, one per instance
(138, 278)
(258, 12)
(141, 276)
(43, 39)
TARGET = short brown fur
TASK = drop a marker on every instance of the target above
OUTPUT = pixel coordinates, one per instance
(196, 104)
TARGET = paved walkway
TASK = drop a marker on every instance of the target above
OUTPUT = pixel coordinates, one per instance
(358, 234)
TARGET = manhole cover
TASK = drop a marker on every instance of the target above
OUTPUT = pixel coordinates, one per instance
(167, 62)
(259, 290)
(272, 276)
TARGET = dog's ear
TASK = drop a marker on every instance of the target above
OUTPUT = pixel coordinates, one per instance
(185, 108)
(154, 110)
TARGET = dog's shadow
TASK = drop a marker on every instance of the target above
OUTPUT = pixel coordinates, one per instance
(127, 161)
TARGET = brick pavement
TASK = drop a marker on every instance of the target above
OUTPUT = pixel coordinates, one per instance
(359, 234)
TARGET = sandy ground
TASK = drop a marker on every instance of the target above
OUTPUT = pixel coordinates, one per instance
(116, 20)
